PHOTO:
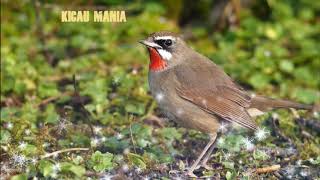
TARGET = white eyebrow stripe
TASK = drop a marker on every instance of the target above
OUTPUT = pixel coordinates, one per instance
(164, 37)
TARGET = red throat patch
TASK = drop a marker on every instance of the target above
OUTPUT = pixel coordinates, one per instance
(156, 61)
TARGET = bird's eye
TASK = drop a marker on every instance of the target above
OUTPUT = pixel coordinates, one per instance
(168, 42)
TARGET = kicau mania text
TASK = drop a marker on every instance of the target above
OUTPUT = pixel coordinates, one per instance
(98, 16)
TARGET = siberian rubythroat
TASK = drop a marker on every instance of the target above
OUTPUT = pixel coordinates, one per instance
(198, 94)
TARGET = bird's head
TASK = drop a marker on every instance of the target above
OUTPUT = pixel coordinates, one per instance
(166, 50)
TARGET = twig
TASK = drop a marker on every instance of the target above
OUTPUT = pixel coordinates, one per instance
(268, 169)
(92, 173)
(131, 136)
(62, 151)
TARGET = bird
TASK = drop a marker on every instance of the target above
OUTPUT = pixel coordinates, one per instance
(197, 94)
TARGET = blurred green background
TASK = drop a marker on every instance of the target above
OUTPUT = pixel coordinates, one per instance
(270, 47)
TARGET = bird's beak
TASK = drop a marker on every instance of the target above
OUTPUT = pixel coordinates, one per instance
(150, 44)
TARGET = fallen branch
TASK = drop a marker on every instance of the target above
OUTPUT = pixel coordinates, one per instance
(62, 151)
(268, 169)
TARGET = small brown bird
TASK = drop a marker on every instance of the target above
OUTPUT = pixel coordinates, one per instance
(198, 94)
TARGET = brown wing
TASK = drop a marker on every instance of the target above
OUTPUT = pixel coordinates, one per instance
(208, 87)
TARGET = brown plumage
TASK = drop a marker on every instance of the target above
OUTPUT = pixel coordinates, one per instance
(198, 94)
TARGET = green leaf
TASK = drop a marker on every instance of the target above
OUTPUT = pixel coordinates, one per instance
(97, 89)
(20, 177)
(286, 66)
(5, 136)
(47, 89)
(259, 80)
(101, 161)
(142, 142)
(78, 160)
(80, 139)
(228, 165)
(51, 114)
(304, 75)
(30, 149)
(305, 95)
(75, 169)
(78, 170)
(170, 133)
(231, 142)
(230, 175)
(260, 155)
(137, 108)
(46, 167)
(6, 112)
(315, 162)
(271, 33)
(8, 84)
(137, 160)
(116, 145)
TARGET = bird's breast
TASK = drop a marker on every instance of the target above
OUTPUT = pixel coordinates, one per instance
(163, 88)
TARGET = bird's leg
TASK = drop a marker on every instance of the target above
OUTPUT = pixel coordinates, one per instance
(206, 158)
(195, 164)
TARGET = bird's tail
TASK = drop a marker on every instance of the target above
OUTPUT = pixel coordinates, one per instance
(265, 104)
